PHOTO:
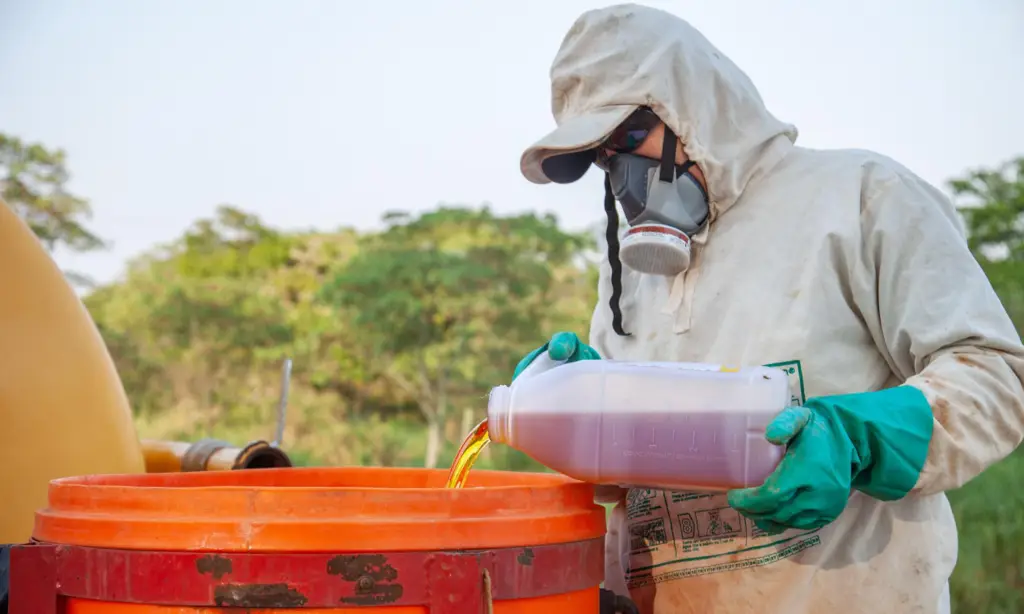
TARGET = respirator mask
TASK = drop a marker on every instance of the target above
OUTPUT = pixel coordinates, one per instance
(664, 205)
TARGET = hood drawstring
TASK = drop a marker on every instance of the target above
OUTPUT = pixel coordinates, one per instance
(612, 236)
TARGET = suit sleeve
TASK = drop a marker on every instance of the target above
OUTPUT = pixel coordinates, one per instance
(938, 322)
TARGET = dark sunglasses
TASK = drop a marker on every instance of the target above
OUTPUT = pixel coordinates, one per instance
(628, 136)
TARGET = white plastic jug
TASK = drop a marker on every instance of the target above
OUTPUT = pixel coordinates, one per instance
(662, 425)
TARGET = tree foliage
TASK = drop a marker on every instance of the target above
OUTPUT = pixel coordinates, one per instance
(33, 182)
(389, 331)
(992, 204)
(444, 301)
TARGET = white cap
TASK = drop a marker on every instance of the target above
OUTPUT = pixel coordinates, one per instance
(566, 153)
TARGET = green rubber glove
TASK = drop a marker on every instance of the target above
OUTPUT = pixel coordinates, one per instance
(874, 442)
(562, 347)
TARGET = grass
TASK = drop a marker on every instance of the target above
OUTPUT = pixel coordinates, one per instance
(989, 576)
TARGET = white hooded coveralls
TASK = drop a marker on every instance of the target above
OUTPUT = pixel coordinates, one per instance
(842, 267)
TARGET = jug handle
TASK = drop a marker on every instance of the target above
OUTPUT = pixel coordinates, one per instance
(543, 362)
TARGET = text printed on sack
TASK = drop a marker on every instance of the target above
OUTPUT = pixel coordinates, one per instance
(674, 535)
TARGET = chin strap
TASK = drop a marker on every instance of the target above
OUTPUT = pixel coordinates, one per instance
(667, 172)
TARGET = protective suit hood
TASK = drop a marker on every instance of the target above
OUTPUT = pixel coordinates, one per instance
(615, 59)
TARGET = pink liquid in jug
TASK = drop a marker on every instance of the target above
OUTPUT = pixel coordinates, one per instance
(706, 451)
(630, 425)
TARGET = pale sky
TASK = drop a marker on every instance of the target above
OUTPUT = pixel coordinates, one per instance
(328, 113)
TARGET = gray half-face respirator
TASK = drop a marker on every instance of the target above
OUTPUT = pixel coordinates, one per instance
(664, 205)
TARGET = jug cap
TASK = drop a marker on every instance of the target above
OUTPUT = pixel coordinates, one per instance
(499, 413)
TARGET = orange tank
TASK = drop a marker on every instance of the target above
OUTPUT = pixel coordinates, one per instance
(63, 410)
(338, 540)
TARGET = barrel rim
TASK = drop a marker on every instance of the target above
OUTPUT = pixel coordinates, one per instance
(256, 510)
(209, 480)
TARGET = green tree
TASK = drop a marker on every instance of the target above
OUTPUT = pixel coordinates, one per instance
(198, 328)
(33, 182)
(992, 204)
(196, 313)
(446, 301)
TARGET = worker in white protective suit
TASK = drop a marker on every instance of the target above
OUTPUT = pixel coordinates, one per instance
(841, 267)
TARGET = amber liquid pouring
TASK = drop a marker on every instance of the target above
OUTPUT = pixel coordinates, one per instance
(471, 448)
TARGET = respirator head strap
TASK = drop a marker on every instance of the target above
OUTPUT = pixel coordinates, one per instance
(668, 169)
(667, 173)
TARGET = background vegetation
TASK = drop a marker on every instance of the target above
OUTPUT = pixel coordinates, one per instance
(397, 335)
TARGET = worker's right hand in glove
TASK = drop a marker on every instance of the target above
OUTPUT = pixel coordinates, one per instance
(563, 347)
(874, 442)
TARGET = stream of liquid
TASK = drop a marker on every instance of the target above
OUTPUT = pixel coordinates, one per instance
(474, 443)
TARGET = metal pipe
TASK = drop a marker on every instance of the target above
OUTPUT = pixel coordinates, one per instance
(217, 455)
(163, 456)
(282, 403)
(210, 455)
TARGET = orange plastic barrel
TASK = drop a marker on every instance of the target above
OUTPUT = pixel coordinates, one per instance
(338, 540)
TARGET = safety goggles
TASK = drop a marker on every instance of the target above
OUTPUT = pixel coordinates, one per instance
(627, 137)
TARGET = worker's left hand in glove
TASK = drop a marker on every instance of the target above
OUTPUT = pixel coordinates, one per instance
(874, 442)
(563, 347)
